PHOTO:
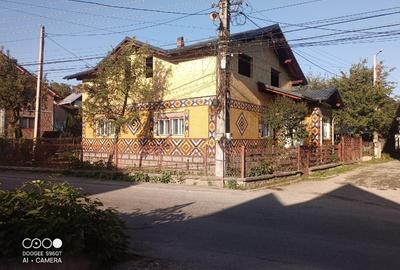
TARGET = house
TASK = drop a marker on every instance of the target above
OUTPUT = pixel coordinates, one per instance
(183, 124)
(67, 115)
(26, 120)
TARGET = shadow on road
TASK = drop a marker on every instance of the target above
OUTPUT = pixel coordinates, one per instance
(347, 228)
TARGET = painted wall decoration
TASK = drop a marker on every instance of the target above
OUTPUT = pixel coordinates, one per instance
(212, 121)
(134, 125)
(147, 146)
(241, 123)
(236, 104)
(315, 127)
(172, 104)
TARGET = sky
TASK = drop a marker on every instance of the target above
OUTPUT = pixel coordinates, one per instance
(85, 32)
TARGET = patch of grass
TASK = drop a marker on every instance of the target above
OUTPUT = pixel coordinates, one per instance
(324, 174)
(233, 184)
(385, 158)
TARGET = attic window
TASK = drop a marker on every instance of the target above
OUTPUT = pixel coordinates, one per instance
(245, 65)
(274, 77)
(149, 67)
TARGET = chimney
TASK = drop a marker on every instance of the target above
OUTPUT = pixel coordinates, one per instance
(180, 42)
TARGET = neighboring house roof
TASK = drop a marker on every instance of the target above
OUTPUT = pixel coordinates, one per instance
(330, 95)
(272, 34)
(33, 76)
(70, 99)
(321, 94)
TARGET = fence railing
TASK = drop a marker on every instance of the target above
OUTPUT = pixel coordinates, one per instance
(48, 152)
(243, 158)
(258, 159)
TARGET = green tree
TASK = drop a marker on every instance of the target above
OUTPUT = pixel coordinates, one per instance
(317, 82)
(286, 117)
(123, 80)
(62, 89)
(17, 91)
(368, 107)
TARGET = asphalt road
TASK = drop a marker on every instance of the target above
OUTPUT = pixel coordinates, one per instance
(340, 223)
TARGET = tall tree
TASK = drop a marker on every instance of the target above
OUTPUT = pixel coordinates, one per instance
(17, 91)
(123, 80)
(285, 117)
(62, 89)
(368, 107)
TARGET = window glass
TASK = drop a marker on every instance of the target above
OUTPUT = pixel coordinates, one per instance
(274, 77)
(266, 130)
(171, 126)
(105, 128)
(149, 67)
(177, 126)
(27, 122)
(163, 127)
(245, 63)
(326, 128)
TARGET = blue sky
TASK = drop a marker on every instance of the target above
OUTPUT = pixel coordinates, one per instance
(90, 31)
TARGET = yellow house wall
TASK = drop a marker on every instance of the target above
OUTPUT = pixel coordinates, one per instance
(189, 79)
(252, 119)
(198, 124)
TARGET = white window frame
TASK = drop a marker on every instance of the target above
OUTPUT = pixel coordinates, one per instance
(326, 128)
(105, 128)
(180, 129)
(165, 130)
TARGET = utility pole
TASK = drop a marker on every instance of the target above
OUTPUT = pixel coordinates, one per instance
(222, 125)
(376, 75)
(36, 131)
(377, 144)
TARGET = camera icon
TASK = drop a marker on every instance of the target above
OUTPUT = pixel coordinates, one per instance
(45, 243)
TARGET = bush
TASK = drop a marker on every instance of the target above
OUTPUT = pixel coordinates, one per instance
(263, 168)
(165, 178)
(53, 210)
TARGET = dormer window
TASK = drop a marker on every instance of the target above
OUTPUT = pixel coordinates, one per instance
(245, 63)
(149, 67)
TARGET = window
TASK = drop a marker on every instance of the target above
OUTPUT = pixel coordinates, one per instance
(177, 126)
(171, 124)
(105, 128)
(274, 77)
(149, 67)
(326, 128)
(266, 130)
(27, 122)
(245, 63)
(163, 127)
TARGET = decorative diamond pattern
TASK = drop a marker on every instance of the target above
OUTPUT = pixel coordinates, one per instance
(242, 123)
(134, 125)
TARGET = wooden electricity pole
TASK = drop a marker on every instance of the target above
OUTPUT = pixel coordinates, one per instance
(36, 131)
(222, 125)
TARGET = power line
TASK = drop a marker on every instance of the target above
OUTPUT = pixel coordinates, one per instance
(55, 19)
(308, 60)
(70, 52)
(71, 11)
(133, 8)
(63, 61)
(143, 27)
(286, 6)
